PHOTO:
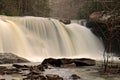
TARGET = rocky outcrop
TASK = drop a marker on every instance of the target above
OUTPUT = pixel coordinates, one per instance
(64, 62)
(65, 21)
(106, 25)
(11, 58)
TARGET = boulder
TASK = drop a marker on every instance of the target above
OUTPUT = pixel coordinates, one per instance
(35, 74)
(53, 77)
(22, 67)
(75, 77)
(35, 77)
(64, 62)
(84, 62)
(38, 76)
(68, 65)
(51, 62)
(65, 21)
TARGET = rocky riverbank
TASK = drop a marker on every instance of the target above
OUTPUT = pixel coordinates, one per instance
(56, 69)
(38, 72)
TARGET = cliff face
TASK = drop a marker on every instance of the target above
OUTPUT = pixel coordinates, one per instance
(67, 9)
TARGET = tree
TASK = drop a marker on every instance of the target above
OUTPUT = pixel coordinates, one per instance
(106, 24)
(24, 7)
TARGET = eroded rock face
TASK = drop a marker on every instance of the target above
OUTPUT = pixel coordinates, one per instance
(64, 62)
(11, 58)
(106, 25)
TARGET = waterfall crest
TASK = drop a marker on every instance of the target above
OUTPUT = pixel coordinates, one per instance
(35, 38)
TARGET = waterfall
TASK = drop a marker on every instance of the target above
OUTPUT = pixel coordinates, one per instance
(36, 38)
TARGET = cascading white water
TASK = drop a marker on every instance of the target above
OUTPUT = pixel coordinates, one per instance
(35, 38)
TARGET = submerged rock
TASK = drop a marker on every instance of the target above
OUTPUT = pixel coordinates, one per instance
(53, 77)
(51, 62)
(75, 77)
(11, 58)
(84, 62)
(64, 62)
(22, 67)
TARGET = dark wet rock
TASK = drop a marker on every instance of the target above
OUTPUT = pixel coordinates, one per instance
(65, 21)
(35, 70)
(36, 77)
(23, 67)
(9, 71)
(35, 74)
(68, 65)
(64, 62)
(84, 62)
(11, 58)
(75, 77)
(2, 79)
(32, 76)
(51, 62)
(53, 77)
(42, 67)
(2, 69)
